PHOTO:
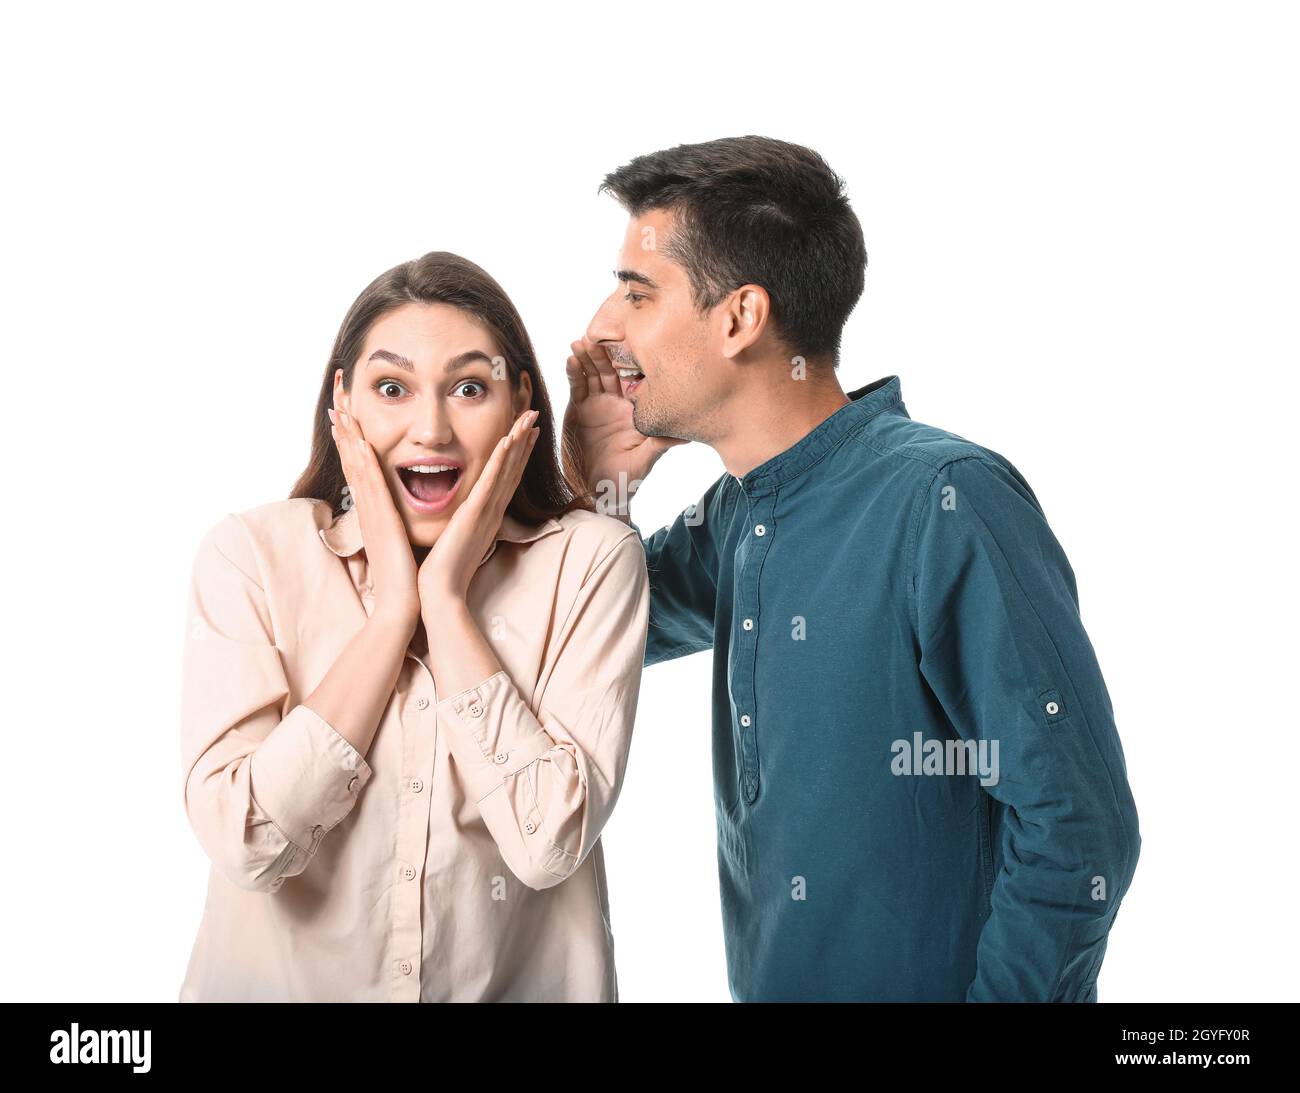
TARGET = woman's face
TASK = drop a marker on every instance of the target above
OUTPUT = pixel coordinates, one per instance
(425, 391)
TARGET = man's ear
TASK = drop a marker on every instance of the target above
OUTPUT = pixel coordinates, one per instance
(524, 396)
(744, 318)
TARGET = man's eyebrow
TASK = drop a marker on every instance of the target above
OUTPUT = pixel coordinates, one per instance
(461, 360)
(626, 275)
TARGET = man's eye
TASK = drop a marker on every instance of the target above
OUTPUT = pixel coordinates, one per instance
(472, 383)
(383, 386)
(634, 297)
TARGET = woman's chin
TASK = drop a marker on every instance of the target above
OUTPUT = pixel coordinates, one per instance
(423, 531)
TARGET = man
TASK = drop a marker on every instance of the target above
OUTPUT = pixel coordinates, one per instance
(920, 791)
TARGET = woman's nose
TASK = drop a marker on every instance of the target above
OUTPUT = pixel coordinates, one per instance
(430, 425)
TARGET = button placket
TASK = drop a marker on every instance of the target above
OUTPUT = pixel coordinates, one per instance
(743, 653)
(418, 751)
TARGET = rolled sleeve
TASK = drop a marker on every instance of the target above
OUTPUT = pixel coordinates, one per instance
(495, 736)
(263, 780)
(306, 776)
(1004, 650)
(546, 778)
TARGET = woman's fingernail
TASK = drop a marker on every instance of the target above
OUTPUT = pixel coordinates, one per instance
(331, 414)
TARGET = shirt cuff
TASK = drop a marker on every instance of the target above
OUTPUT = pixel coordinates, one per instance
(306, 776)
(494, 734)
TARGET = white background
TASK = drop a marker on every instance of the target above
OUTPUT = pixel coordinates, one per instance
(1081, 223)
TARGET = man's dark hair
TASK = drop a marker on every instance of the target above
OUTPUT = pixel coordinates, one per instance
(755, 210)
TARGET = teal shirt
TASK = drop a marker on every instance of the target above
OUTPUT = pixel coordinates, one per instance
(919, 788)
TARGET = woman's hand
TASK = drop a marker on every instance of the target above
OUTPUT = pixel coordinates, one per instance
(446, 572)
(388, 549)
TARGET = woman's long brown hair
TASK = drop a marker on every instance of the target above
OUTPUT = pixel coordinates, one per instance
(443, 278)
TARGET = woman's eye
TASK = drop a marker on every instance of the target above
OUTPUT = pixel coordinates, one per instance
(384, 386)
(472, 383)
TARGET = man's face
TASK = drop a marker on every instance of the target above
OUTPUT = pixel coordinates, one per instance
(649, 323)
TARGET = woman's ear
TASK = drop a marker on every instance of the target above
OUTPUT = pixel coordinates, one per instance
(524, 396)
(340, 396)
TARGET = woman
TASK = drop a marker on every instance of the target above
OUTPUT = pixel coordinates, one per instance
(409, 689)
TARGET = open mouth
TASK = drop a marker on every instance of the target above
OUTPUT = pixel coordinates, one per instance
(630, 378)
(429, 487)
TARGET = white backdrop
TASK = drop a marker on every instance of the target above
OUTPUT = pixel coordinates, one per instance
(1081, 224)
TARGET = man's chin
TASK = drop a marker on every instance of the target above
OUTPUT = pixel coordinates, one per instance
(649, 424)
(641, 419)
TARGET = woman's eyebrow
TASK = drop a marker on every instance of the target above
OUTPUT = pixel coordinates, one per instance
(464, 360)
(461, 360)
(395, 359)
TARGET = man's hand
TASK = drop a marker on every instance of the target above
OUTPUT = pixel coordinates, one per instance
(601, 447)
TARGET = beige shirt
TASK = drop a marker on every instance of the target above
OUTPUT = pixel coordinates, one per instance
(459, 859)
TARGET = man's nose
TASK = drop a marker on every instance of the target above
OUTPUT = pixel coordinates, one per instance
(604, 325)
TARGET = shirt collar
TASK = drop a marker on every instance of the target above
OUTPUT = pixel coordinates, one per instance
(343, 536)
(865, 403)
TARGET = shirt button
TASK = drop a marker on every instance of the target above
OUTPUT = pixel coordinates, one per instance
(500, 757)
(748, 624)
(744, 719)
(408, 872)
(476, 710)
(1052, 708)
(405, 965)
(421, 703)
(760, 530)
(416, 785)
(352, 785)
(530, 827)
